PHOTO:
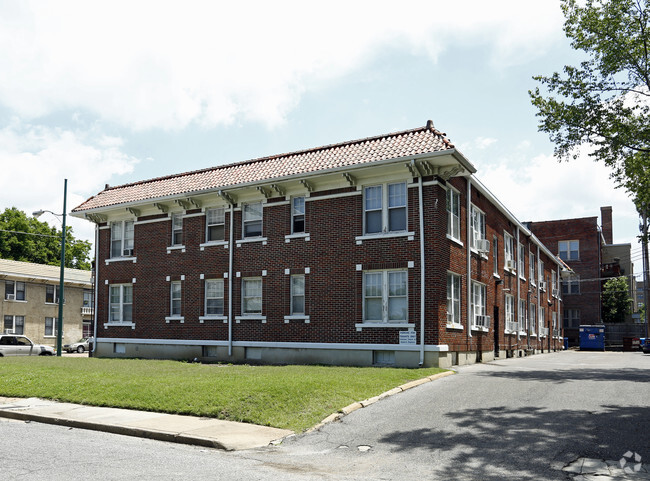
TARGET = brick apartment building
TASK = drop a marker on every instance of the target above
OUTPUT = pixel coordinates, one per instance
(588, 249)
(384, 250)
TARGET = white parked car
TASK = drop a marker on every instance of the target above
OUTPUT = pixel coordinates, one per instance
(80, 346)
(13, 345)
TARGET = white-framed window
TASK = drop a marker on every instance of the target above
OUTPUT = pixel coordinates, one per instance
(556, 331)
(251, 296)
(554, 283)
(15, 290)
(385, 296)
(532, 265)
(476, 226)
(215, 224)
(495, 255)
(122, 238)
(51, 327)
(511, 325)
(297, 295)
(453, 213)
(523, 324)
(385, 208)
(541, 270)
(571, 285)
(121, 303)
(479, 300)
(214, 294)
(14, 325)
(88, 301)
(177, 229)
(569, 250)
(298, 215)
(542, 319)
(508, 251)
(453, 299)
(521, 261)
(532, 318)
(51, 294)
(571, 317)
(252, 219)
(176, 290)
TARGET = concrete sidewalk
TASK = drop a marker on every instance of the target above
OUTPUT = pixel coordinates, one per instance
(175, 428)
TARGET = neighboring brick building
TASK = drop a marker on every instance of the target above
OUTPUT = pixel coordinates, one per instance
(354, 253)
(30, 294)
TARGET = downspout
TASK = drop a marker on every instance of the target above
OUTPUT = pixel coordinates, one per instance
(600, 284)
(95, 288)
(469, 263)
(515, 255)
(422, 258)
(230, 262)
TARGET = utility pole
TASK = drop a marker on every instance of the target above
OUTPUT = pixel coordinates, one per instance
(646, 269)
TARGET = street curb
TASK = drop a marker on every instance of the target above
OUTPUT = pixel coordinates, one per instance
(367, 402)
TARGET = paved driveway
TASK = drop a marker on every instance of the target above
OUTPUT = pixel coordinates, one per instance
(510, 419)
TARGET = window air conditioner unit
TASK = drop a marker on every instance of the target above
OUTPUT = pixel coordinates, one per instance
(11, 297)
(482, 245)
(127, 252)
(510, 264)
(542, 285)
(555, 292)
(483, 321)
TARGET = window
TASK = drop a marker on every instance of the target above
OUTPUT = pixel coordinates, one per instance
(14, 325)
(541, 270)
(532, 264)
(384, 295)
(511, 325)
(523, 325)
(251, 296)
(385, 208)
(495, 255)
(15, 290)
(215, 222)
(51, 327)
(478, 304)
(297, 295)
(542, 318)
(177, 229)
(121, 303)
(175, 299)
(453, 299)
(556, 331)
(569, 250)
(252, 220)
(297, 215)
(508, 251)
(571, 285)
(521, 261)
(122, 238)
(52, 294)
(214, 297)
(554, 283)
(476, 227)
(453, 213)
(571, 317)
(88, 299)
(532, 318)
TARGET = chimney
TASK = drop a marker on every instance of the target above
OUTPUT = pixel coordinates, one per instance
(606, 220)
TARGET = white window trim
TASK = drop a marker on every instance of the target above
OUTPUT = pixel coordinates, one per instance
(207, 227)
(532, 266)
(456, 325)
(244, 221)
(122, 240)
(509, 241)
(361, 238)
(474, 326)
(521, 261)
(385, 297)
(205, 300)
(385, 209)
(291, 296)
(450, 215)
(568, 251)
(304, 215)
(119, 323)
(172, 245)
(295, 317)
(248, 240)
(54, 327)
(482, 234)
(253, 316)
(299, 235)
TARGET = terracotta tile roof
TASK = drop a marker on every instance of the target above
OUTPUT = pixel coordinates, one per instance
(372, 149)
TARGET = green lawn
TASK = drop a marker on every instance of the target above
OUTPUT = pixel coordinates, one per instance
(290, 397)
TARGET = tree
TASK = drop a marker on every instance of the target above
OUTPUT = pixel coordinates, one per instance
(26, 239)
(616, 300)
(604, 103)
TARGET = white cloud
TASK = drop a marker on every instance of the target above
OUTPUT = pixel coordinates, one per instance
(161, 64)
(36, 159)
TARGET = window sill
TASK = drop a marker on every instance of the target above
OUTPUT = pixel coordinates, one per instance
(121, 259)
(455, 241)
(496, 276)
(175, 318)
(253, 317)
(458, 327)
(384, 324)
(510, 271)
(15, 300)
(301, 235)
(480, 329)
(482, 255)
(175, 248)
(287, 319)
(387, 235)
(522, 278)
(213, 318)
(214, 244)
(119, 324)
(263, 240)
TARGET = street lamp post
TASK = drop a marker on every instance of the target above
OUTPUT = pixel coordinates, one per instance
(59, 322)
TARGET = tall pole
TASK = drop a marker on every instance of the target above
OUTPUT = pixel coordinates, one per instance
(59, 322)
(646, 266)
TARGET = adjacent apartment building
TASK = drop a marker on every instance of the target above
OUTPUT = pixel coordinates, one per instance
(385, 250)
(30, 301)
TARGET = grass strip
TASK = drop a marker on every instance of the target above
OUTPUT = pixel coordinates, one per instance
(290, 397)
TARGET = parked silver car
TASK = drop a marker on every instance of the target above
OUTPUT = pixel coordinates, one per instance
(13, 345)
(79, 346)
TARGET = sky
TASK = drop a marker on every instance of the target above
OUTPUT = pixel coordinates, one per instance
(115, 92)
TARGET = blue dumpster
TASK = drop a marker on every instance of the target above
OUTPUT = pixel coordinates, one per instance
(566, 343)
(592, 337)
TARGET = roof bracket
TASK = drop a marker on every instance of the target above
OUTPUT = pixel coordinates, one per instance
(426, 166)
(161, 207)
(183, 203)
(266, 193)
(278, 189)
(226, 196)
(96, 218)
(413, 170)
(194, 202)
(450, 172)
(135, 212)
(307, 185)
(350, 179)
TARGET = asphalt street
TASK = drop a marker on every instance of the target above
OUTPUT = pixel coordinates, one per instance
(510, 419)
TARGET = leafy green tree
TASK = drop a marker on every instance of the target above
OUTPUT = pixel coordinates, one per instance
(616, 300)
(604, 103)
(27, 239)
